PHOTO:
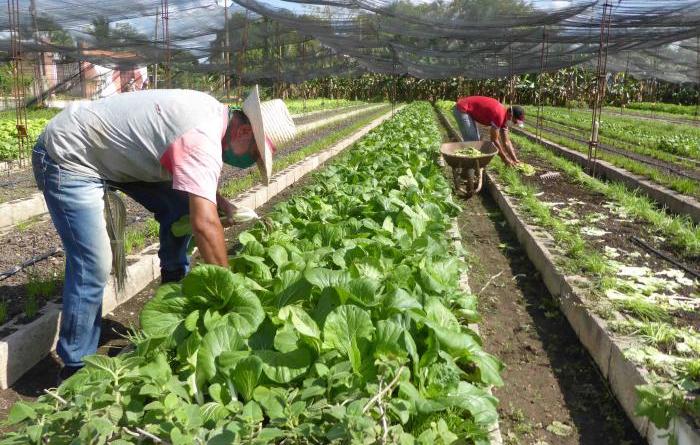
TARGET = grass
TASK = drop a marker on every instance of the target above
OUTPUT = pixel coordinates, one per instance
(677, 139)
(663, 155)
(27, 224)
(679, 230)
(41, 287)
(135, 238)
(236, 186)
(31, 306)
(296, 106)
(3, 311)
(642, 309)
(679, 184)
(660, 107)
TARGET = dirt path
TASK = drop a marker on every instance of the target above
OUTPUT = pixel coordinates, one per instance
(548, 377)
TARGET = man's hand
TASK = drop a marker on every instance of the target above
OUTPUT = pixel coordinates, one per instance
(208, 231)
(500, 146)
(226, 208)
(508, 145)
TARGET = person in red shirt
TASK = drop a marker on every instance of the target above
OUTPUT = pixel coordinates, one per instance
(488, 111)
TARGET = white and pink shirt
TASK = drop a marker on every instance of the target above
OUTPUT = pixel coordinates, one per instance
(149, 136)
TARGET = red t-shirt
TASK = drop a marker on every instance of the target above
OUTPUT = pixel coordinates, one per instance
(484, 110)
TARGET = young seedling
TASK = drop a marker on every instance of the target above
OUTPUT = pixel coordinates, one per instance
(3, 311)
(31, 306)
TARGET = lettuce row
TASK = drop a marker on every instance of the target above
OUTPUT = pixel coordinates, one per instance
(339, 321)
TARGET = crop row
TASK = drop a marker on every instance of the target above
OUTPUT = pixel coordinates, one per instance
(682, 110)
(340, 321)
(679, 140)
(644, 301)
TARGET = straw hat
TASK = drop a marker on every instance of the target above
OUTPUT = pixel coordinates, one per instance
(272, 125)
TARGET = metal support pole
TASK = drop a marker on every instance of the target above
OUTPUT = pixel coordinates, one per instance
(165, 17)
(395, 78)
(655, 82)
(540, 107)
(227, 53)
(39, 81)
(17, 77)
(601, 71)
(303, 68)
(241, 57)
(155, 40)
(624, 79)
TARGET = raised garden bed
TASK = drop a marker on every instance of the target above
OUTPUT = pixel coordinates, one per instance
(635, 312)
(675, 202)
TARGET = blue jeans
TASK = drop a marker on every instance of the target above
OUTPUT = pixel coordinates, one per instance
(76, 206)
(467, 126)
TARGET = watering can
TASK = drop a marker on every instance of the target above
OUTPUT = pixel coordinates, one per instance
(468, 171)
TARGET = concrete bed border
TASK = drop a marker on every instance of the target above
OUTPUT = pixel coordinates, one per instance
(26, 346)
(608, 352)
(21, 209)
(664, 196)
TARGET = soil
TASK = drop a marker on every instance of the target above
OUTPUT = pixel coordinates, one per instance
(549, 377)
(117, 325)
(618, 231)
(38, 236)
(17, 184)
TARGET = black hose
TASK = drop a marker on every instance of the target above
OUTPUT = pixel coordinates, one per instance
(30, 262)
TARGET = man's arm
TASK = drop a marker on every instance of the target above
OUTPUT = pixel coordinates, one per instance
(496, 140)
(508, 145)
(207, 230)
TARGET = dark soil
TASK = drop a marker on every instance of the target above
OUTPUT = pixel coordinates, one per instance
(118, 324)
(17, 184)
(549, 377)
(620, 232)
(38, 236)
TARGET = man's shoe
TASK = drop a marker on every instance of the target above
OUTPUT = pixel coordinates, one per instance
(65, 373)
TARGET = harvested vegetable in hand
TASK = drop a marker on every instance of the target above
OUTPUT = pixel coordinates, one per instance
(525, 168)
(182, 226)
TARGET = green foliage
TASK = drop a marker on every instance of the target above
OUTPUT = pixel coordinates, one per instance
(680, 140)
(682, 110)
(3, 311)
(680, 231)
(297, 106)
(334, 324)
(236, 186)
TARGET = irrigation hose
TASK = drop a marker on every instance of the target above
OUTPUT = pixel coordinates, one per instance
(663, 256)
(30, 262)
